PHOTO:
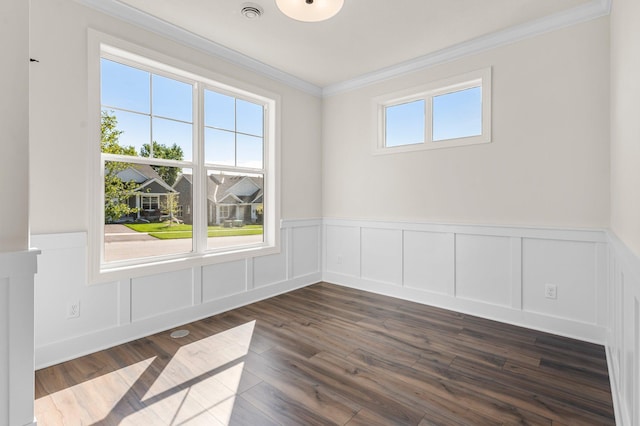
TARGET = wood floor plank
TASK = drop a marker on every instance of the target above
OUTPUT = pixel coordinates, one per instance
(275, 367)
(446, 401)
(326, 355)
(566, 382)
(544, 400)
(240, 412)
(282, 407)
(386, 401)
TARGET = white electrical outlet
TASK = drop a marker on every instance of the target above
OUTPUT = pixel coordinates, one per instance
(339, 260)
(551, 291)
(73, 310)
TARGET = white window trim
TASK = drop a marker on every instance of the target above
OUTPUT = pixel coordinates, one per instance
(427, 92)
(98, 272)
(156, 197)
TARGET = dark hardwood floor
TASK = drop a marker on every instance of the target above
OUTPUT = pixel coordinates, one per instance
(331, 355)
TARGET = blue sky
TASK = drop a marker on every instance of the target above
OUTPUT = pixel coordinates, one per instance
(144, 103)
(405, 123)
(455, 115)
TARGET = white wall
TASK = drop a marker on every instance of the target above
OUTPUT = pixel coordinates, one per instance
(625, 125)
(548, 164)
(623, 345)
(14, 125)
(16, 338)
(17, 264)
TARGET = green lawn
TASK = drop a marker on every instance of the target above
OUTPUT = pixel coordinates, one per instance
(163, 231)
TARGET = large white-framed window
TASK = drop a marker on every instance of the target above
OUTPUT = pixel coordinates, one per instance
(169, 137)
(447, 113)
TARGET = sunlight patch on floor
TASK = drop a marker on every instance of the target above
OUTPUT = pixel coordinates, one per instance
(197, 385)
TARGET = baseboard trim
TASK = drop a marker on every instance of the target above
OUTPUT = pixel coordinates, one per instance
(78, 346)
(535, 321)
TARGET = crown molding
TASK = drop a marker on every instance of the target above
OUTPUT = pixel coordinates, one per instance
(150, 23)
(586, 12)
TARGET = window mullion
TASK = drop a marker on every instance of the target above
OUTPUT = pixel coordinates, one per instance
(199, 196)
(151, 154)
(235, 132)
(428, 119)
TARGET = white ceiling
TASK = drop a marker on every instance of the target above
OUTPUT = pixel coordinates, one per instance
(366, 36)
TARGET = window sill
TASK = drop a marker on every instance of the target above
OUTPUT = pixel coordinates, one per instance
(448, 143)
(123, 270)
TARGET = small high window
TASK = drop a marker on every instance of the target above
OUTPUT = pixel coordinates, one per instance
(446, 113)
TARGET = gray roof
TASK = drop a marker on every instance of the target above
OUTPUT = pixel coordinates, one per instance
(144, 175)
(220, 187)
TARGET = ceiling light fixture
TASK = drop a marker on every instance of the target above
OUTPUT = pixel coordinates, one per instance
(310, 10)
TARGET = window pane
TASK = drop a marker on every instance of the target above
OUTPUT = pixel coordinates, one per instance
(167, 133)
(144, 216)
(249, 117)
(235, 209)
(457, 114)
(148, 208)
(124, 87)
(220, 147)
(219, 111)
(405, 123)
(172, 98)
(249, 151)
(136, 131)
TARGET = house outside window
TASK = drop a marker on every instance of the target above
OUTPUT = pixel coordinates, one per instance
(172, 142)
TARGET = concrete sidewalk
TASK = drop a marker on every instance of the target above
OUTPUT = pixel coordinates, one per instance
(118, 233)
(125, 246)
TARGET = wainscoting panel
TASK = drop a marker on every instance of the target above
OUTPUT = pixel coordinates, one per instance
(305, 250)
(271, 269)
(223, 279)
(120, 311)
(496, 272)
(171, 291)
(483, 269)
(429, 261)
(17, 387)
(569, 265)
(61, 280)
(342, 245)
(381, 255)
(623, 338)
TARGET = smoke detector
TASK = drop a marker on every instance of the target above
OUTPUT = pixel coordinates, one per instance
(251, 11)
